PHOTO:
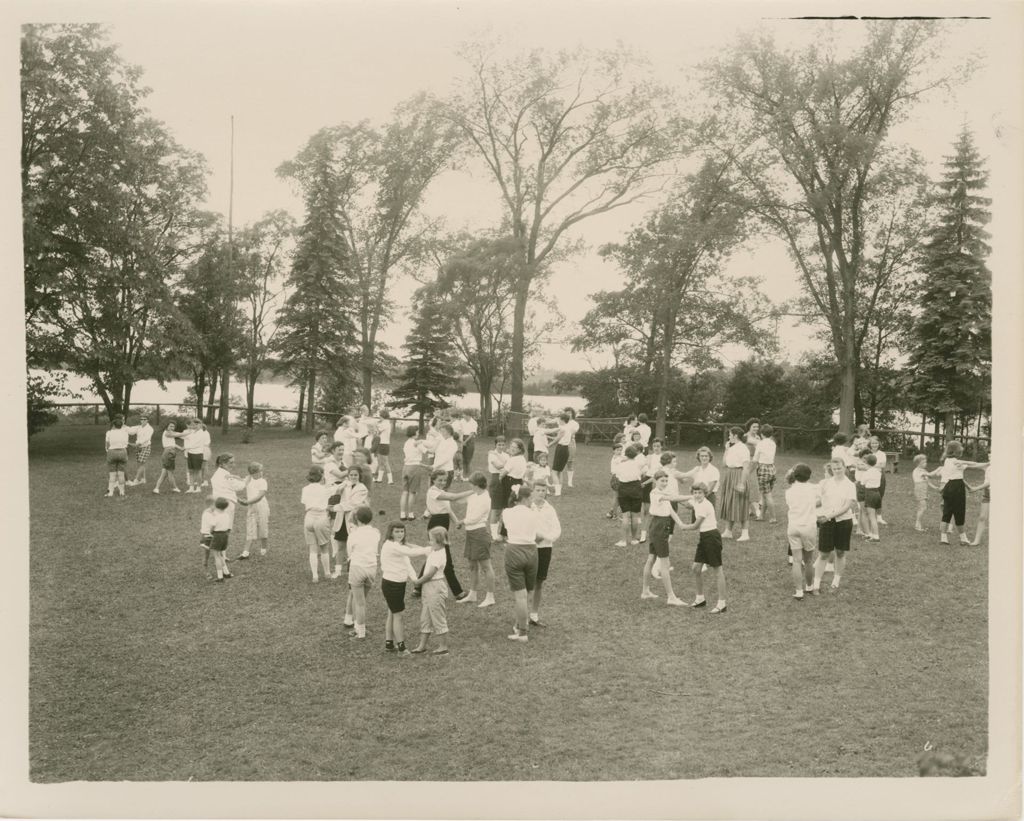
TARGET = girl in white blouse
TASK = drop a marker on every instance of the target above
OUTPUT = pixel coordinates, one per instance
(735, 486)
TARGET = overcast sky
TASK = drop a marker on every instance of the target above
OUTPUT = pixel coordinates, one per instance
(285, 70)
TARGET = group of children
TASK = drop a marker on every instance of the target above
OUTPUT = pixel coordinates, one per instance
(503, 507)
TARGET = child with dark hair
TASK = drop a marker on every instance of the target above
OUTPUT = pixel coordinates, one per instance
(954, 491)
(440, 513)
(709, 546)
(629, 495)
(220, 530)
(872, 481)
(396, 570)
(663, 516)
(496, 459)
(802, 500)
(734, 497)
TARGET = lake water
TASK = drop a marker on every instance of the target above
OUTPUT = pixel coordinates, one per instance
(149, 392)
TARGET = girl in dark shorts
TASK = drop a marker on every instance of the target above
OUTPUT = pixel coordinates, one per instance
(662, 519)
(629, 495)
(219, 538)
(496, 459)
(396, 570)
(709, 548)
(171, 448)
(441, 515)
(835, 523)
(954, 491)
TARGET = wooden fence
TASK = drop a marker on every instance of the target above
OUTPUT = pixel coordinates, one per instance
(96, 413)
(716, 434)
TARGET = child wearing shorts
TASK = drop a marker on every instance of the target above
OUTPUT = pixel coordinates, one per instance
(169, 440)
(220, 529)
(362, 568)
(116, 447)
(413, 472)
(954, 491)
(206, 521)
(316, 525)
(395, 571)
(709, 548)
(802, 500)
(496, 460)
(871, 479)
(617, 456)
(434, 609)
(440, 513)
(478, 541)
(663, 517)
(835, 523)
(143, 447)
(352, 493)
(629, 494)
(257, 511)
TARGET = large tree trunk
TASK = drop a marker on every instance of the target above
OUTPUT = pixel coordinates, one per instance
(302, 403)
(664, 373)
(211, 399)
(199, 385)
(250, 398)
(127, 398)
(367, 372)
(225, 396)
(518, 334)
(310, 400)
(949, 426)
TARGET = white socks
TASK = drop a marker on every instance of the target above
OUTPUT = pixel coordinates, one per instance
(569, 475)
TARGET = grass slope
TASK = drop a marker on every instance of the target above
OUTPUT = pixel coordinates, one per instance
(143, 670)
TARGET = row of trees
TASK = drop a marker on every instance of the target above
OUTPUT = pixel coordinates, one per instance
(126, 278)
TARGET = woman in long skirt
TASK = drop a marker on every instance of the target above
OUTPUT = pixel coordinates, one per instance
(734, 495)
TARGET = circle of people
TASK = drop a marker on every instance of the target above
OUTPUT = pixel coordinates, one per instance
(509, 504)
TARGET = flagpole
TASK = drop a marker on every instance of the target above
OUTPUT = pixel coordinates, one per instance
(225, 379)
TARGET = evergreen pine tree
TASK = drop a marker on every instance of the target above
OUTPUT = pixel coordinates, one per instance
(430, 373)
(316, 341)
(951, 359)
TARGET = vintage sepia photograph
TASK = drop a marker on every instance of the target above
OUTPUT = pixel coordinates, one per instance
(480, 392)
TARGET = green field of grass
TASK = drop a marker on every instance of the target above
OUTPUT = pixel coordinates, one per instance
(141, 669)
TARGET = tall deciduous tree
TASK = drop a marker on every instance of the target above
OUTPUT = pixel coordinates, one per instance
(211, 336)
(109, 208)
(671, 261)
(565, 137)
(951, 361)
(317, 334)
(808, 132)
(430, 374)
(263, 252)
(476, 290)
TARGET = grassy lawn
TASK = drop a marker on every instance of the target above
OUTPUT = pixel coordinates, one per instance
(142, 670)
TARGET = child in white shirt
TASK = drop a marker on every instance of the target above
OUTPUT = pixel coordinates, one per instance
(316, 525)
(434, 609)
(613, 512)
(538, 472)
(396, 570)
(709, 548)
(548, 531)
(764, 464)
(362, 568)
(220, 528)
(920, 476)
(478, 541)
(871, 479)
(257, 511)
(802, 500)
